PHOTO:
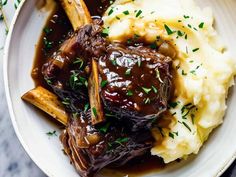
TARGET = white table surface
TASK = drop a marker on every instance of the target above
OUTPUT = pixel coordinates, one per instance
(14, 161)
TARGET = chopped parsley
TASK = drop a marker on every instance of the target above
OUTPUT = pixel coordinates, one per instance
(53, 133)
(104, 83)
(139, 13)
(104, 128)
(195, 50)
(139, 62)
(146, 90)
(47, 30)
(128, 71)
(86, 107)
(126, 12)
(110, 11)
(3, 3)
(186, 16)
(201, 25)
(173, 104)
(47, 44)
(73, 81)
(120, 141)
(66, 101)
(79, 61)
(154, 89)
(153, 45)
(180, 34)
(75, 115)
(186, 36)
(171, 135)
(105, 32)
(168, 30)
(1, 17)
(183, 73)
(48, 81)
(129, 93)
(94, 110)
(118, 18)
(186, 125)
(158, 75)
(147, 101)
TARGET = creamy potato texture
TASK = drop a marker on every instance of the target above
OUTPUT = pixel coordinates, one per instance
(204, 69)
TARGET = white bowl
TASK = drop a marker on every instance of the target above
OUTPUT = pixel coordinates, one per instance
(31, 127)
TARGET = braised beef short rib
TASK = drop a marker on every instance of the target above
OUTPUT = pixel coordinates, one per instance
(135, 88)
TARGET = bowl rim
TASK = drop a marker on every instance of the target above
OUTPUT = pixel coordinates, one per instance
(11, 110)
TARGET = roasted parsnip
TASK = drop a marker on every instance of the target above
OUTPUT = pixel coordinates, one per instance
(48, 102)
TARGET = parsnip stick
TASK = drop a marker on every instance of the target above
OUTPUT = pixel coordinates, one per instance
(48, 102)
(94, 96)
(77, 12)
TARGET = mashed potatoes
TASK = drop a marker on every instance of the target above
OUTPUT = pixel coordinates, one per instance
(204, 70)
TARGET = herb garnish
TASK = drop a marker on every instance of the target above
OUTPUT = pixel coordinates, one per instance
(47, 44)
(173, 104)
(129, 93)
(168, 30)
(47, 30)
(105, 127)
(79, 61)
(147, 101)
(186, 16)
(171, 135)
(138, 13)
(154, 89)
(54, 133)
(158, 75)
(183, 73)
(110, 12)
(16, 4)
(66, 101)
(128, 71)
(95, 112)
(139, 62)
(153, 45)
(201, 25)
(104, 83)
(146, 90)
(86, 107)
(186, 125)
(126, 12)
(194, 50)
(121, 140)
(105, 32)
(1, 17)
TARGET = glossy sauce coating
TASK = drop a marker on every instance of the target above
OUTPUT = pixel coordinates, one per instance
(138, 79)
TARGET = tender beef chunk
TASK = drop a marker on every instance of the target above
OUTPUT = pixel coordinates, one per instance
(138, 82)
(68, 69)
(92, 148)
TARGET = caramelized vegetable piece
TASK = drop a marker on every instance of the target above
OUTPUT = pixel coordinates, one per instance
(94, 97)
(48, 102)
(77, 12)
(79, 15)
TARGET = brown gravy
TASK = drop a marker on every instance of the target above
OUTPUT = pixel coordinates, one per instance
(54, 33)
